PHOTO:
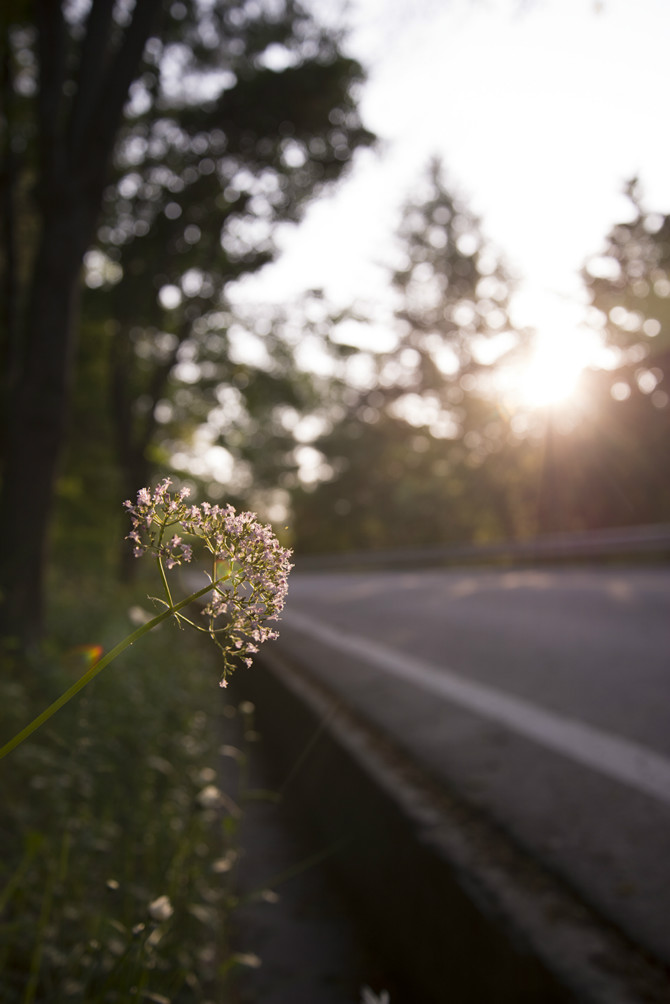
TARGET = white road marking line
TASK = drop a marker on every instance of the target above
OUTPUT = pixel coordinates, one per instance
(621, 759)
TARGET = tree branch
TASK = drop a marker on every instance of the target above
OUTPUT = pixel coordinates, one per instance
(104, 119)
(8, 180)
(93, 62)
(51, 41)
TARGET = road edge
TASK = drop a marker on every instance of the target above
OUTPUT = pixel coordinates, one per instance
(486, 922)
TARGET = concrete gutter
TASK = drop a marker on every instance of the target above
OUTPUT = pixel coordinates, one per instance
(459, 913)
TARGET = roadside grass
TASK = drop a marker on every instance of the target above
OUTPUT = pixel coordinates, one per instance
(116, 840)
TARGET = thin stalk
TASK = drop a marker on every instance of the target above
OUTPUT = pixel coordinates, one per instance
(38, 951)
(164, 581)
(97, 667)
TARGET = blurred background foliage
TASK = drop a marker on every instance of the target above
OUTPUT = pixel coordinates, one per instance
(235, 116)
(238, 115)
(284, 409)
(435, 449)
(289, 410)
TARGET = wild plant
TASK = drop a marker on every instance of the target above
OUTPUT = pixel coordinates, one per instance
(247, 581)
(118, 842)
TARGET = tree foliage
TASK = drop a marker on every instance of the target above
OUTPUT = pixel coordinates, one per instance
(160, 145)
(202, 183)
(431, 453)
(611, 468)
(425, 455)
(629, 284)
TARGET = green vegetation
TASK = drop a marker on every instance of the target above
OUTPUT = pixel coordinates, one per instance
(114, 805)
(432, 449)
(124, 793)
(148, 155)
(149, 158)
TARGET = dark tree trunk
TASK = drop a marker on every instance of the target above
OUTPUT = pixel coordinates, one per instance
(130, 451)
(36, 421)
(76, 144)
(8, 184)
(133, 435)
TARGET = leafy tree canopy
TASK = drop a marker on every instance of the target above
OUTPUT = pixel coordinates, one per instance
(412, 457)
(160, 144)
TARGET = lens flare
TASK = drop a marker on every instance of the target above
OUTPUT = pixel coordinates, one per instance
(83, 655)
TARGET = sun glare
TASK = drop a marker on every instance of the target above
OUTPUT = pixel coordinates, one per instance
(550, 377)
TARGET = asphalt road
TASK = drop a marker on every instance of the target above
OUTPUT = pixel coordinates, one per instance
(542, 697)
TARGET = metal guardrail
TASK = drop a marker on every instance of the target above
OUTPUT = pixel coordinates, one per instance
(609, 543)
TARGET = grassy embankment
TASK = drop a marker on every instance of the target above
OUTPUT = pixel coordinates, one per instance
(116, 840)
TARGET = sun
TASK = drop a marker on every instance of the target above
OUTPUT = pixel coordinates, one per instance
(550, 377)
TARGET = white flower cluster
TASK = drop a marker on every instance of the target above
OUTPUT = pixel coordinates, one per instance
(250, 567)
(152, 515)
(160, 909)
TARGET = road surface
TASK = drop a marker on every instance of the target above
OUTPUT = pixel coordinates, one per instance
(542, 697)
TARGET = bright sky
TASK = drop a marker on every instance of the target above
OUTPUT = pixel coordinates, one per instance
(540, 109)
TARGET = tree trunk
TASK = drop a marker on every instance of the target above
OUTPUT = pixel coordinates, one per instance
(133, 435)
(76, 141)
(36, 421)
(8, 184)
(550, 515)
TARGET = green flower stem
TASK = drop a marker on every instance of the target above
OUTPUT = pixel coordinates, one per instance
(161, 570)
(97, 667)
(163, 576)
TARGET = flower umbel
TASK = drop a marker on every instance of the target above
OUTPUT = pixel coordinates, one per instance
(247, 583)
(249, 568)
(152, 516)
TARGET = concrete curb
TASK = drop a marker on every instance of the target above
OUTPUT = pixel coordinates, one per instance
(458, 911)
